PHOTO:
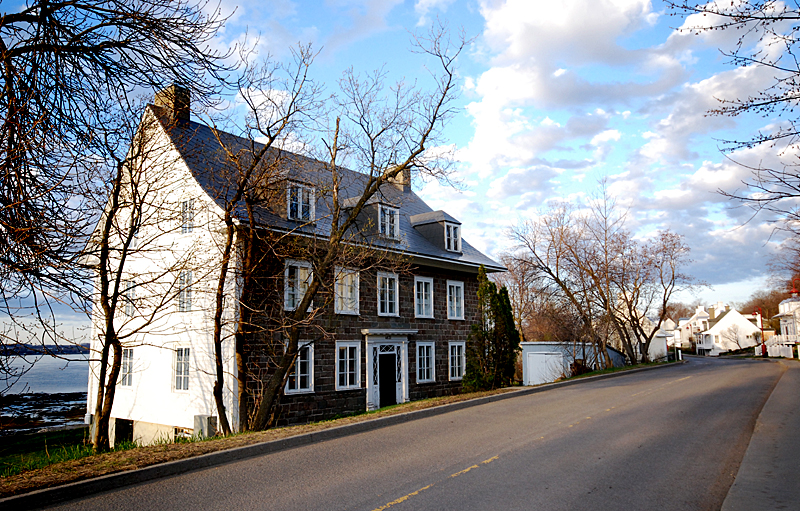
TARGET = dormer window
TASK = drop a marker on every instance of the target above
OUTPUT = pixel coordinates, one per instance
(300, 202)
(452, 237)
(389, 221)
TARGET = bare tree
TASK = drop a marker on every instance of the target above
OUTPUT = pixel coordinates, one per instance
(386, 133)
(613, 282)
(653, 277)
(767, 39)
(68, 71)
(281, 102)
(733, 334)
(554, 249)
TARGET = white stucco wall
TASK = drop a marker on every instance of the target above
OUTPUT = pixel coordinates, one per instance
(163, 251)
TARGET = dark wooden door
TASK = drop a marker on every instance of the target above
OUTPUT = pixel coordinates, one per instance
(387, 379)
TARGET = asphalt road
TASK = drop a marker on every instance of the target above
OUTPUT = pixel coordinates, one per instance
(665, 439)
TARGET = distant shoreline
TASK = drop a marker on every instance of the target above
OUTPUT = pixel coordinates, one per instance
(47, 349)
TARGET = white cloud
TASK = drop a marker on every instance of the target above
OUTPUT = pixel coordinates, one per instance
(424, 7)
(606, 136)
(558, 31)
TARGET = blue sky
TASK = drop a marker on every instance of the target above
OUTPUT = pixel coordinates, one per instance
(554, 97)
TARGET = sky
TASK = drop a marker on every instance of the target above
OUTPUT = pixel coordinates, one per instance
(556, 96)
(553, 98)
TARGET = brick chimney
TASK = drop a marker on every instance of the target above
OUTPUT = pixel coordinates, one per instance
(175, 99)
(402, 180)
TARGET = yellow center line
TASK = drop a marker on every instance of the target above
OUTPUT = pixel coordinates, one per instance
(401, 499)
(415, 493)
(463, 471)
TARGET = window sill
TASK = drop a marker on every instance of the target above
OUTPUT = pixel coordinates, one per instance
(297, 392)
(346, 389)
(388, 315)
(347, 313)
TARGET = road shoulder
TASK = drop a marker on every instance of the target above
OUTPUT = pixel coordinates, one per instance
(769, 475)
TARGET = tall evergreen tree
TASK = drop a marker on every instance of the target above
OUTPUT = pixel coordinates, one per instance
(494, 342)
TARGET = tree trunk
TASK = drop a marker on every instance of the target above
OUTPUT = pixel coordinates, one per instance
(102, 441)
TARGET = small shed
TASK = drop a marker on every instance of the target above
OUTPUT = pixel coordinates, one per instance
(544, 362)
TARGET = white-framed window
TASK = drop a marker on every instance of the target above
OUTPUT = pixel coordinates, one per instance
(128, 298)
(389, 221)
(455, 300)
(348, 365)
(300, 202)
(301, 375)
(458, 360)
(182, 369)
(126, 368)
(452, 237)
(425, 362)
(135, 235)
(297, 277)
(387, 294)
(423, 297)
(187, 216)
(185, 291)
(345, 291)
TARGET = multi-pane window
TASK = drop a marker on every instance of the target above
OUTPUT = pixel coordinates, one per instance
(455, 300)
(423, 297)
(128, 299)
(182, 369)
(425, 362)
(185, 291)
(347, 365)
(452, 237)
(387, 294)
(187, 216)
(389, 220)
(346, 291)
(126, 368)
(301, 377)
(297, 277)
(457, 360)
(300, 202)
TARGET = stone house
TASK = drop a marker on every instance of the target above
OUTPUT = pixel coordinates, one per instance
(386, 330)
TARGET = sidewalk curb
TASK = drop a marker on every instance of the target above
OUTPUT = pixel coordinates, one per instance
(77, 489)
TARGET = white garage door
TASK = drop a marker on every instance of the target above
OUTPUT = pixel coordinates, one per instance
(544, 367)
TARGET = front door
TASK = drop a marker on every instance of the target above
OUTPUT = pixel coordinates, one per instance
(387, 377)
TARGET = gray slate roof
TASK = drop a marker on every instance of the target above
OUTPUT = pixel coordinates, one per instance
(201, 150)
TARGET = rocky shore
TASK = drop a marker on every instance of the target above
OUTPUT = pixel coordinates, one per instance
(29, 413)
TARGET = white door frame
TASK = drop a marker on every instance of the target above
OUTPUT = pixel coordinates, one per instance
(398, 340)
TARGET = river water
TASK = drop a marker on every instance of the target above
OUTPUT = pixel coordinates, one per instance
(49, 375)
(51, 393)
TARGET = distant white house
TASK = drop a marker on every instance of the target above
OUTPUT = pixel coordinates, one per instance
(789, 316)
(690, 327)
(783, 344)
(728, 330)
